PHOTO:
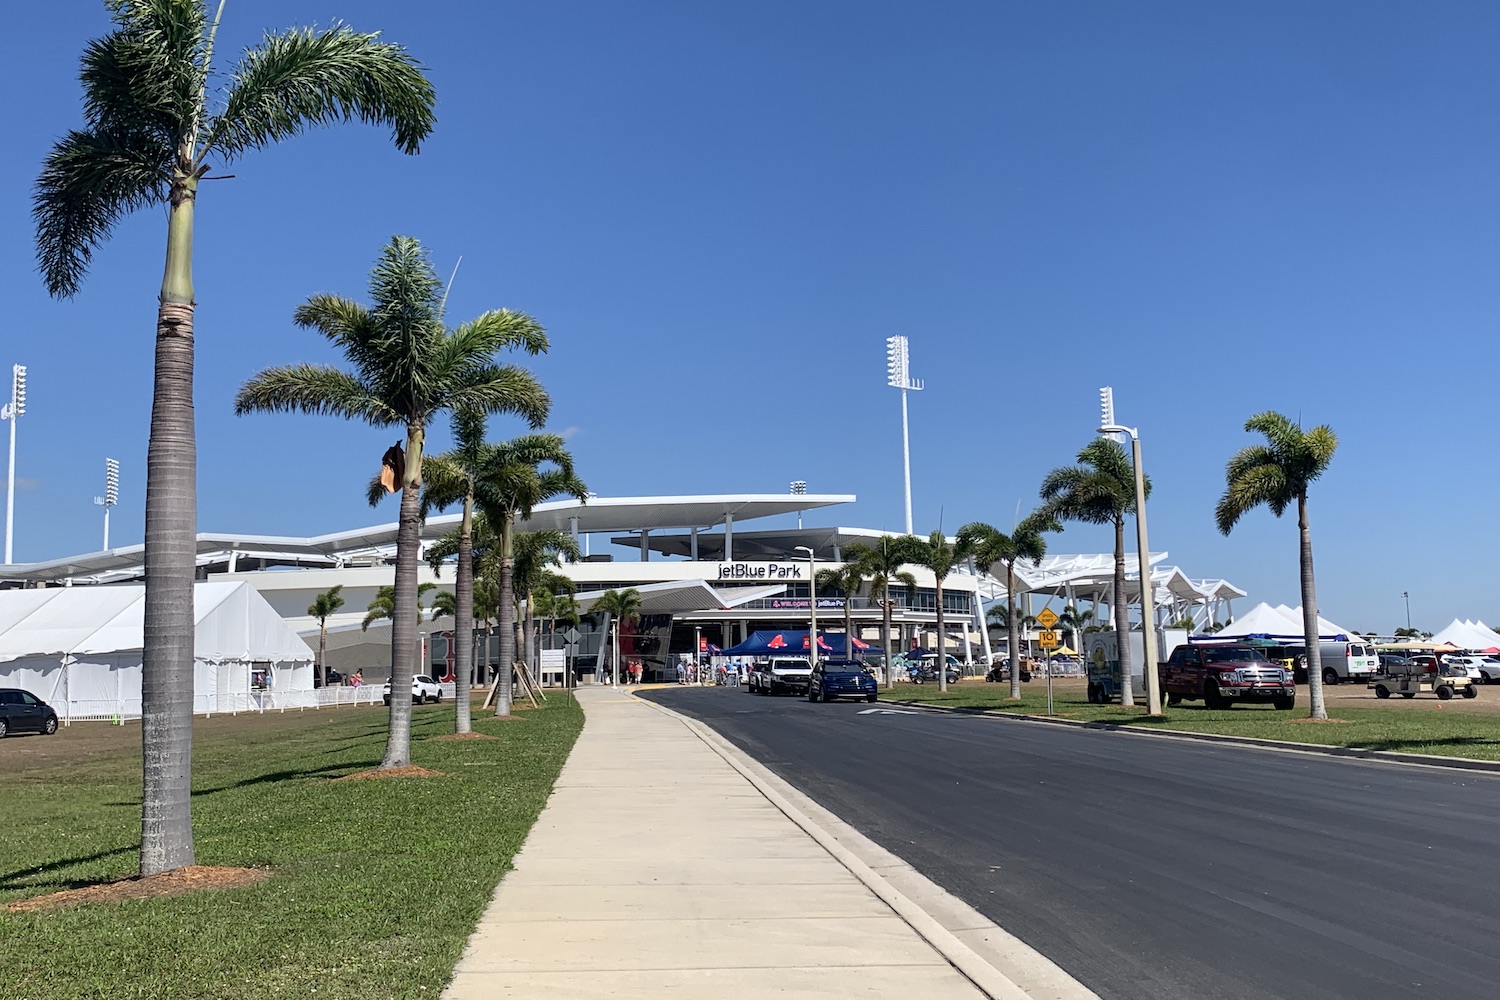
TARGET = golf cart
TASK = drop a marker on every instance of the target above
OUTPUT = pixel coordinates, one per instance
(1422, 675)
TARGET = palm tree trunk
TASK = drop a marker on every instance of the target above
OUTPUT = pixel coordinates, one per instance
(170, 560)
(885, 635)
(1310, 614)
(528, 638)
(322, 651)
(404, 616)
(849, 626)
(1121, 609)
(463, 621)
(507, 617)
(1012, 631)
(942, 663)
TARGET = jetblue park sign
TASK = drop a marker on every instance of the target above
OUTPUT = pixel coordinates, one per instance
(761, 571)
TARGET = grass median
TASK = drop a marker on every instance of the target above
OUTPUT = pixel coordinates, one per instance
(374, 885)
(1458, 728)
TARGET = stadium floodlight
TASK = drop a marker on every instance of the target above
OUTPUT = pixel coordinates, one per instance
(12, 410)
(1108, 426)
(898, 376)
(111, 495)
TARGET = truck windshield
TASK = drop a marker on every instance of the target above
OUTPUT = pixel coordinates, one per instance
(1231, 654)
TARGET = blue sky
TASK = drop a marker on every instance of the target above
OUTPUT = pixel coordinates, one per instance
(721, 211)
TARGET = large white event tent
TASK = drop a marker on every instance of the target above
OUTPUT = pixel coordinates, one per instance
(1468, 635)
(80, 649)
(1278, 622)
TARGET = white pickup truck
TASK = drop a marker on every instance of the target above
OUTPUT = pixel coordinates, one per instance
(781, 674)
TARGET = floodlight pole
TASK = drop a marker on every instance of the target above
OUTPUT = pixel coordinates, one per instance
(111, 494)
(812, 603)
(11, 411)
(1407, 597)
(1107, 425)
(898, 376)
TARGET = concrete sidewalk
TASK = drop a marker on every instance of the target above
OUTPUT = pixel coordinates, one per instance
(657, 869)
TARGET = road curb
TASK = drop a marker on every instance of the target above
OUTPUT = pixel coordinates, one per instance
(985, 976)
(1357, 753)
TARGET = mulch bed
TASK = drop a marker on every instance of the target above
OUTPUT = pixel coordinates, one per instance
(379, 773)
(193, 878)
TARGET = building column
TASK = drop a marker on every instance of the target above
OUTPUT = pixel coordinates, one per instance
(693, 545)
(573, 530)
(645, 545)
(729, 538)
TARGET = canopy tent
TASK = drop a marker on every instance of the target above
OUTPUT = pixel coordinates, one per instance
(1264, 621)
(80, 650)
(1468, 635)
(790, 642)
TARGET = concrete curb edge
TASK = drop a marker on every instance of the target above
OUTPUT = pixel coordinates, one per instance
(1357, 753)
(985, 977)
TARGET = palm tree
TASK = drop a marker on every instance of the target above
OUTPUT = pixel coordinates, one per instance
(383, 605)
(1278, 474)
(938, 555)
(444, 605)
(618, 606)
(847, 580)
(408, 368)
(882, 564)
(990, 546)
(155, 114)
(1101, 490)
(518, 475)
(324, 605)
(536, 552)
(450, 479)
(1074, 622)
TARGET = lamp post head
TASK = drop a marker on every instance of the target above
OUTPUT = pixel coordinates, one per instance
(804, 548)
(1116, 429)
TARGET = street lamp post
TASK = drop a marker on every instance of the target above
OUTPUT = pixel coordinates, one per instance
(14, 409)
(812, 603)
(898, 376)
(1107, 425)
(111, 495)
(698, 652)
(1407, 597)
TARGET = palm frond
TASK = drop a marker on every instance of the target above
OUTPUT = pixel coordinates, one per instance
(1320, 444)
(1263, 484)
(502, 389)
(303, 78)
(89, 182)
(444, 483)
(316, 389)
(375, 491)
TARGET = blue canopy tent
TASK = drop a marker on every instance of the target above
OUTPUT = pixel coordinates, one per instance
(790, 642)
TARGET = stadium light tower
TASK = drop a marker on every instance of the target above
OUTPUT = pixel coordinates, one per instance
(898, 376)
(1108, 426)
(15, 408)
(111, 494)
(799, 489)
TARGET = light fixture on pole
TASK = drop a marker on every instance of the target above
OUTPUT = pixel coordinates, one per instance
(12, 410)
(698, 652)
(812, 603)
(898, 376)
(111, 495)
(1107, 425)
(799, 489)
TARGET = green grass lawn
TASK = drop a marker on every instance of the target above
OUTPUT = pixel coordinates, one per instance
(1457, 729)
(376, 885)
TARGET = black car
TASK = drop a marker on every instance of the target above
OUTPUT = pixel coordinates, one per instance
(23, 712)
(841, 679)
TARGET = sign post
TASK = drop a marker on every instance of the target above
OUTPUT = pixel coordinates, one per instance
(1047, 639)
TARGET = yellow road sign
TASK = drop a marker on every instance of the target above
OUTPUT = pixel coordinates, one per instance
(1047, 618)
(1047, 639)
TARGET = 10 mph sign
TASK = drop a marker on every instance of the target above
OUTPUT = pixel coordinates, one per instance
(1047, 639)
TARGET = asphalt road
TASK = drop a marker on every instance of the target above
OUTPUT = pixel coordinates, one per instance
(1155, 868)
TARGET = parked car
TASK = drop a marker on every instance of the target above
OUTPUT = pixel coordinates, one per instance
(832, 679)
(1474, 666)
(1222, 675)
(23, 712)
(779, 674)
(423, 689)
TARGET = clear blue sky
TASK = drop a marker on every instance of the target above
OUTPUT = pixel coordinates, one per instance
(721, 211)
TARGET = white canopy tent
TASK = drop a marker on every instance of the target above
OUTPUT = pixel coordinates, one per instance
(1468, 635)
(80, 649)
(1278, 622)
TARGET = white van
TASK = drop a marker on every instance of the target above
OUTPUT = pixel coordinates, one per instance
(1342, 661)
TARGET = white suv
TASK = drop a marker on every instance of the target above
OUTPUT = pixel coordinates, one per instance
(423, 689)
(1484, 669)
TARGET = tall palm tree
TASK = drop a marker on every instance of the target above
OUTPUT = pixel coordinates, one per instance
(618, 606)
(939, 556)
(383, 605)
(322, 607)
(518, 475)
(408, 368)
(444, 604)
(1278, 474)
(450, 479)
(848, 580)
(157, 115)
(536, 552)
(882, 564)
(1100, 489)
(992, 547)
(1073, 621)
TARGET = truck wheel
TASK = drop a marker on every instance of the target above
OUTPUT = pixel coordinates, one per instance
(1093, 693)
(1285, 704)
(1174, 699)
(1471, 692)
(1211, 698)
(1330, 676)
(1445, 693)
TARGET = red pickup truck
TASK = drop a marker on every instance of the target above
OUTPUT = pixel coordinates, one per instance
(1222, 675)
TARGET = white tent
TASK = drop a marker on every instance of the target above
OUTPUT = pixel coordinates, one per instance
(1468, 635)
(1279, 622)
(79, 649)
